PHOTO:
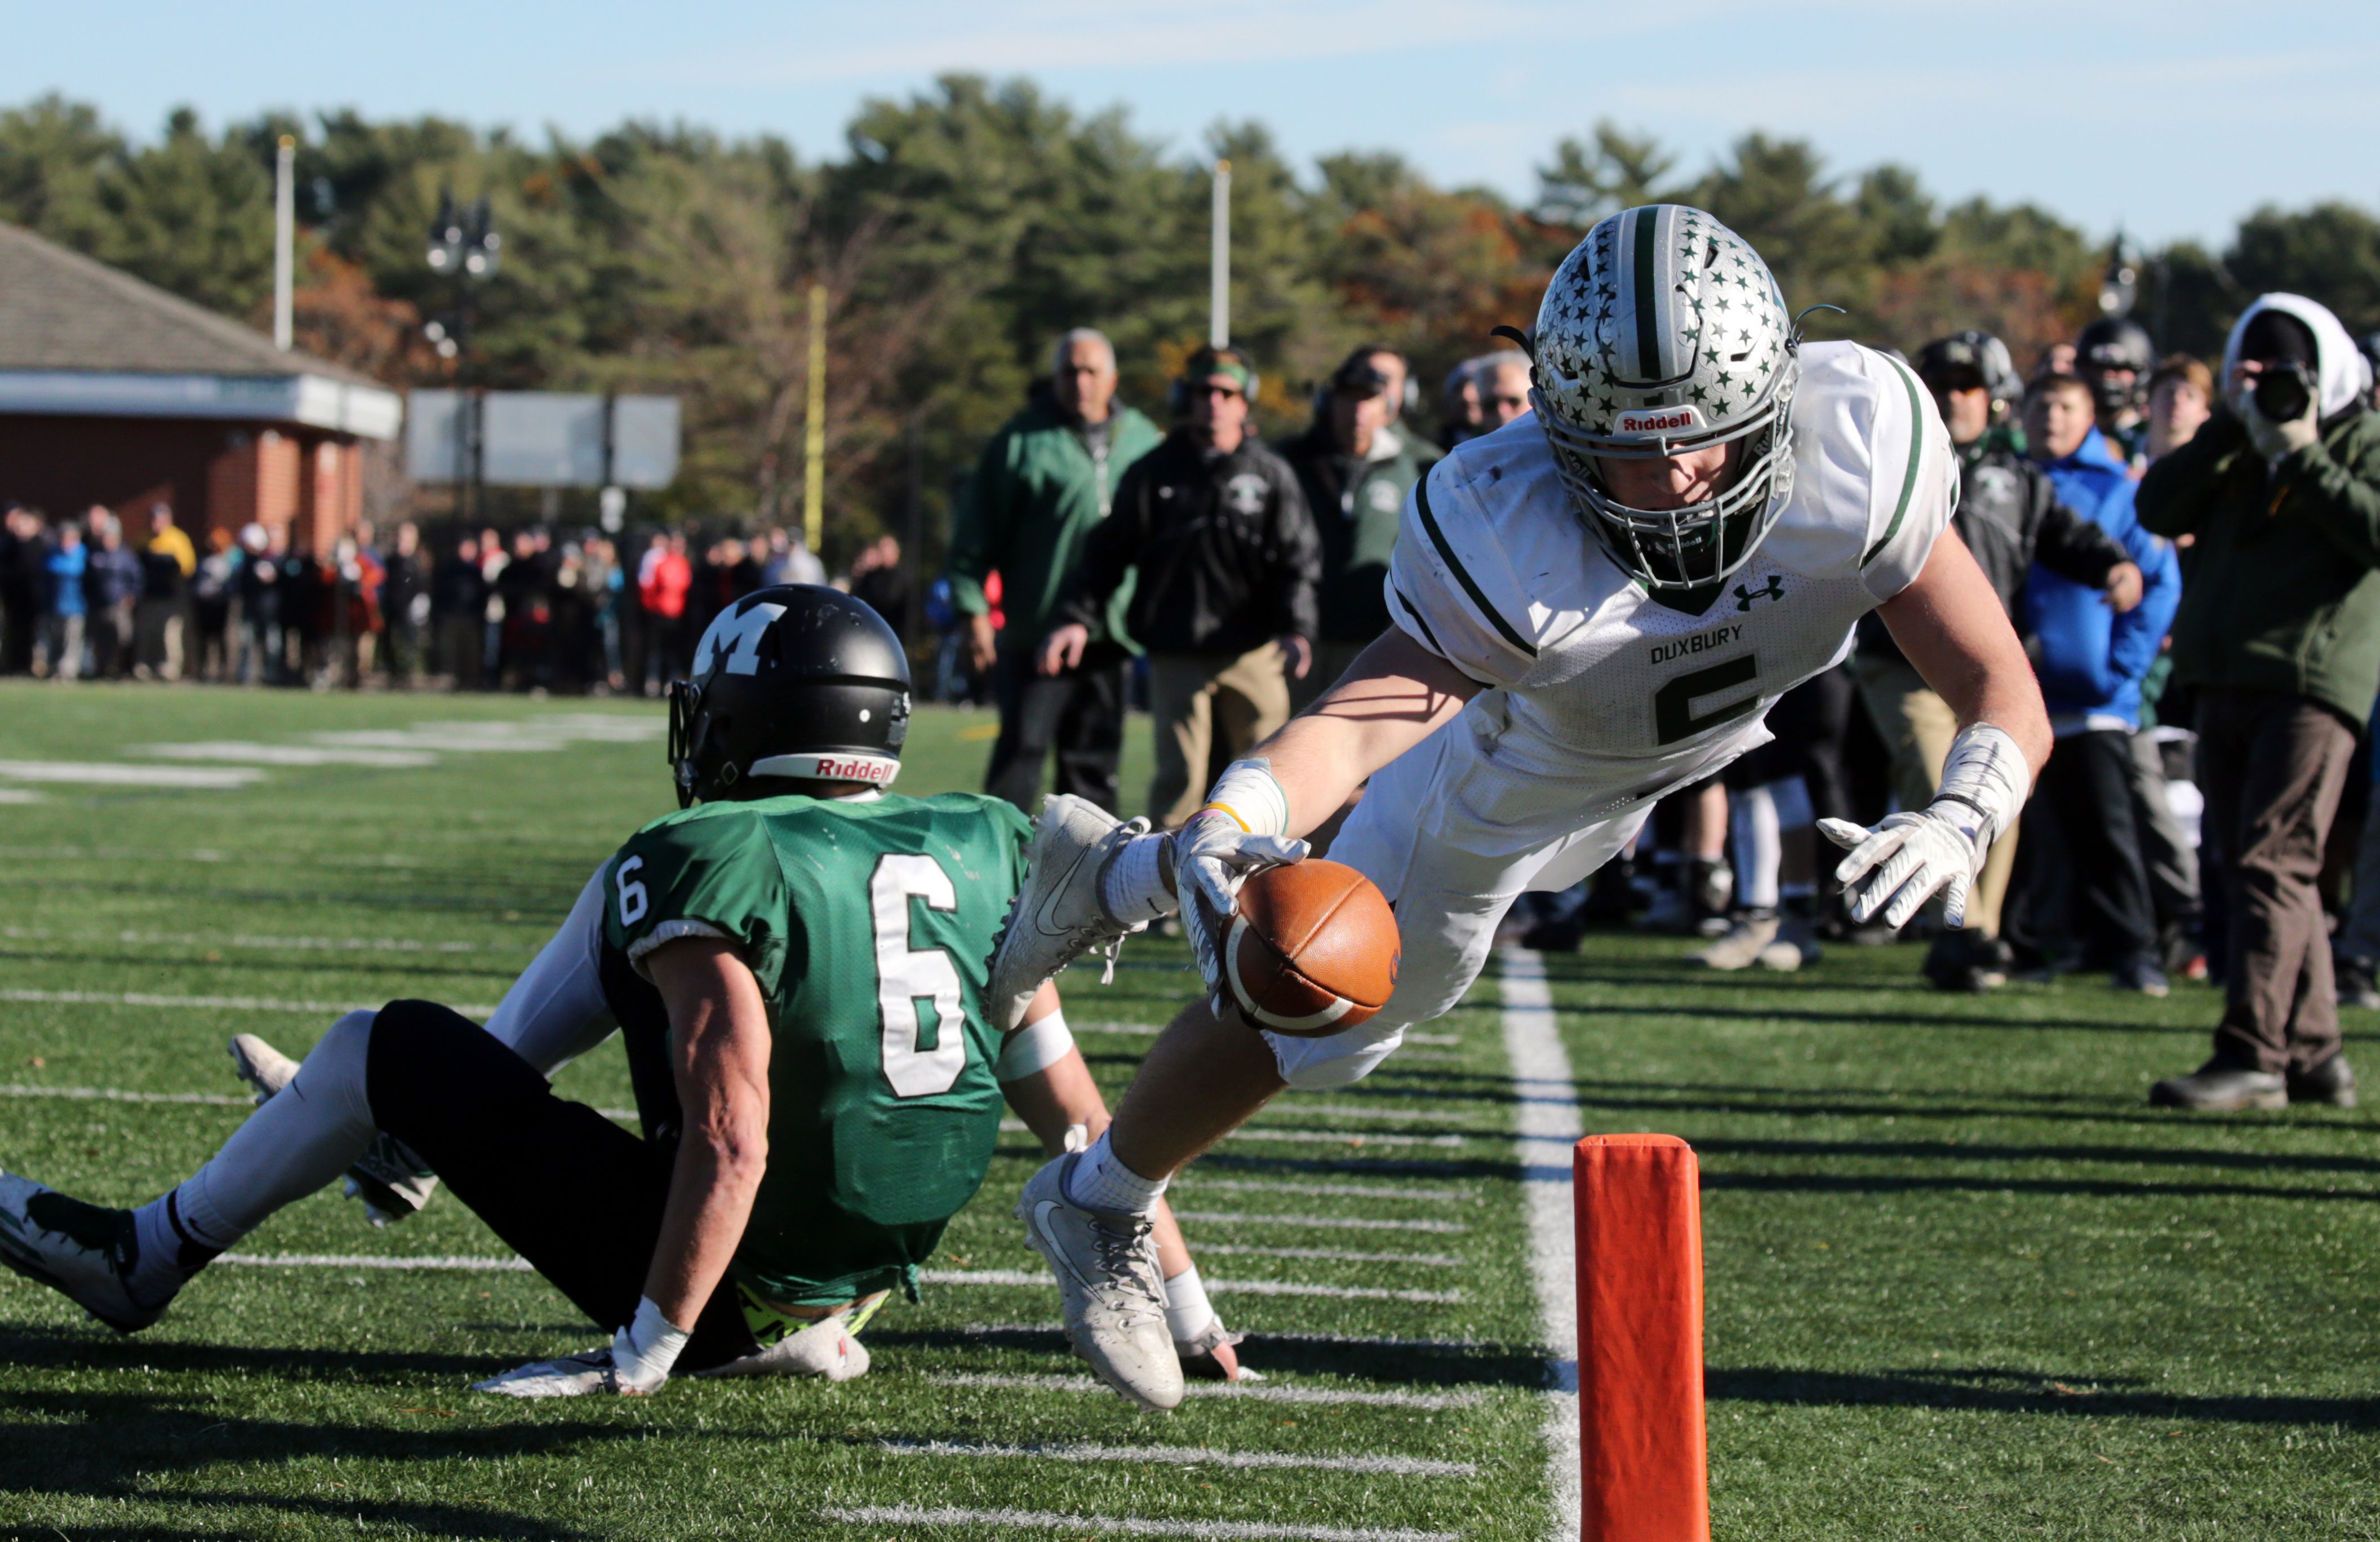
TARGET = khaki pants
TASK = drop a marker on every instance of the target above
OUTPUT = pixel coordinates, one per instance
(1918, 727)
(1201, 702)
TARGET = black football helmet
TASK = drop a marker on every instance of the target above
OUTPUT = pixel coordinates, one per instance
(799, 681)
(2107, 345)
(1971, 352)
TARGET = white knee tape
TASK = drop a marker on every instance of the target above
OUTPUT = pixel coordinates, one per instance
(1341, 1059)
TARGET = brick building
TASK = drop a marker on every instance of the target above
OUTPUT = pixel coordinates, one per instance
(113, 391)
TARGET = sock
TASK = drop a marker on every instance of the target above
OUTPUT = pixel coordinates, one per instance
(300, 1140)
(1133, 888)
(1100, 1181)
(1759, 851)
(1188, 1310)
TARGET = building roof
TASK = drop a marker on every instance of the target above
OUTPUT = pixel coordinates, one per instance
(76, 335)
(61, 311)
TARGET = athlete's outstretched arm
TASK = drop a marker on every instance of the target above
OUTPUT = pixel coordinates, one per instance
(1951, 627)
(1392, 697)
(719, 1043)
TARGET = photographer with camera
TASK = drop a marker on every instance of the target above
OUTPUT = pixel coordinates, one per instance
(2279, 631)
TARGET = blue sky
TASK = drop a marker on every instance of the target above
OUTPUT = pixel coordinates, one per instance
(2172, 117)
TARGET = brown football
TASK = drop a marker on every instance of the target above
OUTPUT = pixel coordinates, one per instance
(1312, 950)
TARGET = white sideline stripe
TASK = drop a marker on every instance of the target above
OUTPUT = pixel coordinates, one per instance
(1120, 1525)
(101, 773)
(117, 1095)
(1549, 1128)
(1321, 1222)
(1336, 1256)
(1332, 1191)
(1355, 1340)
(1220, 1287)
(201, 938)
(19, 795)
(1188, 1456)
(414, 739)
(374, 1260)
(1267, 1391)
(243, 752)
(209, 1004)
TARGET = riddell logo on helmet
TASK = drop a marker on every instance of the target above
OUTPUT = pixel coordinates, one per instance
(833, 770)
(1659, 420)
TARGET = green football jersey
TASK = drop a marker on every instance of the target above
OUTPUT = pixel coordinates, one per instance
(869, 926)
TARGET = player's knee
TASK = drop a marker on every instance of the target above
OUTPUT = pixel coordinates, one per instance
(420, 1055)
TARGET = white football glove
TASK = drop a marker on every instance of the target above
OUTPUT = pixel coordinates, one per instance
(1898, 864)
(637, 1364)
(1212, 858)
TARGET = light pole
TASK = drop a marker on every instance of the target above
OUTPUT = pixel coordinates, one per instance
(463, 246)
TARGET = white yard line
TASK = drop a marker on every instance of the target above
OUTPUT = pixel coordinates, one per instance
(1220, 1287)
(251, 940)
(1320, 1222)
(1262, 1391)
(1187, 1456)
(1121, 1525)
(1331, 1255)
(1373, 1111)
(374, 1260)
(207, 1003)
(101, 774)
(1549, 1128)
(1199, 1180)
(245, 753)
(1307, 1138)
(1353, 1341)
(117, 1095)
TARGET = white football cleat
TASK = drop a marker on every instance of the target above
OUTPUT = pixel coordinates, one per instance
(1109, 1286)
(81, 1251)
(387, 1177)
(1056, 917)
(825, 1348)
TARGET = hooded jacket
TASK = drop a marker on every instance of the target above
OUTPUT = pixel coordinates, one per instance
(2283, 589)
(2092, 660)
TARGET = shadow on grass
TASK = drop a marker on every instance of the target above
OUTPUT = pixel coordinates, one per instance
(35, 1346)
(53, 1450)
(1979, 1151)
(2088, 1188)
(1996, 1391)
(151, 964)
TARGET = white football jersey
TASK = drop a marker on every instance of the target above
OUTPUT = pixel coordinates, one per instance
(1601, 696)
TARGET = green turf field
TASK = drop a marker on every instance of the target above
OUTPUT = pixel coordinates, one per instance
(1961, 1284)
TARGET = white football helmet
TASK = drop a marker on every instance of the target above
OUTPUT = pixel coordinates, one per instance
(1663, 331)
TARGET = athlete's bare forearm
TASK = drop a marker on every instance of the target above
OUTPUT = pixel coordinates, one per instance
(1953, 631)
(719, 1029)
(1392, 697)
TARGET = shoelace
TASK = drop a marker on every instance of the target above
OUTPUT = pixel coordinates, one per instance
(1120, 1253)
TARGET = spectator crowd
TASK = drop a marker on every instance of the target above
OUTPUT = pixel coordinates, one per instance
(2188, 551)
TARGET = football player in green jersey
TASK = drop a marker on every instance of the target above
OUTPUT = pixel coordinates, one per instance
(796, 961)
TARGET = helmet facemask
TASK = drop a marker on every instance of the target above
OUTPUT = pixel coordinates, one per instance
(1697, 545)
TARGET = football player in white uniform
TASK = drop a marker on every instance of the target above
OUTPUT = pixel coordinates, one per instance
(1594, 605)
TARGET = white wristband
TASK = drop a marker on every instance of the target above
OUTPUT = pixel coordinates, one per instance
(644, 1351)
(1035, 1047)
(1247, 792)
(1986, 779)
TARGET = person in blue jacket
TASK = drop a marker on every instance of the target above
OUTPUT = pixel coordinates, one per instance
(2091, 660)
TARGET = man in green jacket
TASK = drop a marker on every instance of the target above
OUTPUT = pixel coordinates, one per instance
(1356, 467)
(2279, 631)
(1046, 479)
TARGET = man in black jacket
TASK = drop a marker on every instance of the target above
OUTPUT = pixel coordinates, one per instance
(1213, 527)
(2010, 518)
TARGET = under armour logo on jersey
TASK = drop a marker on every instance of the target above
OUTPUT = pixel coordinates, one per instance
(1745, 596)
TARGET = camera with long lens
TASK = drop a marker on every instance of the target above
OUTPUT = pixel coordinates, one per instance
(2283, 392)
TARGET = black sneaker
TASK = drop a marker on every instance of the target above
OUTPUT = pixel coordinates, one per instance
(1561, 935)
(2222, 1086)
(2331, 1082)
(1965, 961)
(2356, 985)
